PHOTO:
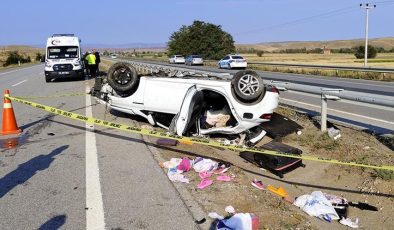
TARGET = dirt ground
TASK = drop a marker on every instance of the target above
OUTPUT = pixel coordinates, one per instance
(355, 184)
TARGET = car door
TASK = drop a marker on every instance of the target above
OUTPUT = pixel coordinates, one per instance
(190, 111)
(223, 62)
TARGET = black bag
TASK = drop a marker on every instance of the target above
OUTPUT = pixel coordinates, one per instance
(276, 164)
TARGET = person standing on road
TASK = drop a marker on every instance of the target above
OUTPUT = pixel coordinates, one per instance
(85, 63)
(91, 58)
(97, 55)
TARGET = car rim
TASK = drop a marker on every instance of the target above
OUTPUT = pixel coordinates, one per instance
(248, 84)
(122, 76)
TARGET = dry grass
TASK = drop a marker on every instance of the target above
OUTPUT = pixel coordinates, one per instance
(387, 43)
(23, 50)
(382, 59)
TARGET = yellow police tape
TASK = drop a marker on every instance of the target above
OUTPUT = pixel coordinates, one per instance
(181, 139)
(56, 95)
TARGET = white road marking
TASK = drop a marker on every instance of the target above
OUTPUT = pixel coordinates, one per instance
(94, 198)
(338, 111)
(18, 83)
(4, 73)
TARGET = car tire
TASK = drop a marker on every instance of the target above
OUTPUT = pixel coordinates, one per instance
(247, 86)
(229, 66)
(172, 128)
(122, 77)
(48, 79)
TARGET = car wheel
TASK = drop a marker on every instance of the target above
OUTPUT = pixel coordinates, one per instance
(172, 128)
(248, 86)
(122, 77)
(48, 79)
(229, 66)
(219, 66)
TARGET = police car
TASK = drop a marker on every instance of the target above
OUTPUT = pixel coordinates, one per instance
(233, 61)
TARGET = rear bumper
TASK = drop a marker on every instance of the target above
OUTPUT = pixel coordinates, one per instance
(64, 74)
(239, 64)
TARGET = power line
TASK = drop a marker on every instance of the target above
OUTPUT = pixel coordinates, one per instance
(304, 20)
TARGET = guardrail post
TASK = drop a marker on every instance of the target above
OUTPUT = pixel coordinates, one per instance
(324, 98)
(323, 122)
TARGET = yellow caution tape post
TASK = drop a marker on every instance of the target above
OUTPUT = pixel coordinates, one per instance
(189, 140)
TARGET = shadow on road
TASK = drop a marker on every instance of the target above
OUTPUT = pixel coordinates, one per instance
(27, 170)
(54, 223)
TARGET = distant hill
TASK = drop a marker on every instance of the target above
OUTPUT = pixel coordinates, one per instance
(386, 43)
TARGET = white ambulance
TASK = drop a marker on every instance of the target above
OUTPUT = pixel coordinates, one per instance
(63, 57)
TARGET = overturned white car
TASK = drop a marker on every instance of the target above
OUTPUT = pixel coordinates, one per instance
(191, 105)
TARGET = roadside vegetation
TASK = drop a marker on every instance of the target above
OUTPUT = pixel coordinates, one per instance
(202, 38)
(13, 55)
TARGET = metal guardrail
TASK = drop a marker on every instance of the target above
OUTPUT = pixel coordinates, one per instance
(349, 68)
(176, 71)
(325, 93)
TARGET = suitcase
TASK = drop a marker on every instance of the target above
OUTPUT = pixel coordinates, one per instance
(276, 164)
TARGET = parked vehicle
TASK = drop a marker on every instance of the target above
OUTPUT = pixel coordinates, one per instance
(233, 61)
(194, 60)
(187, 105)
(114, 56)
(176, 59)
(63, 57)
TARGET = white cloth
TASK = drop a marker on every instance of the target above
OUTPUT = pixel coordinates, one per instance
(204, 165)
(173, 163)
(240, 221)
(175, 175)
(317, 205)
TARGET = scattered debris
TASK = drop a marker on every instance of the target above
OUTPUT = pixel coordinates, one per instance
(349, 222)
(316, 204)
(334, 133)
(165, 141)
(235, 221)
(276, 164)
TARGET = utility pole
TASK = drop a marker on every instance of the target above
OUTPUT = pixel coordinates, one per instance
(367, 7)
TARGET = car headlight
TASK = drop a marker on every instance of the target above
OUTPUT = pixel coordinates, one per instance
(77, 63)
(48, 64)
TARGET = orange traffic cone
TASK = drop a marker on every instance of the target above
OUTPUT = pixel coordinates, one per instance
(9, 121)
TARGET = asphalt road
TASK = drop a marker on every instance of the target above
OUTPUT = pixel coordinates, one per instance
(68, 175)
(365, 116)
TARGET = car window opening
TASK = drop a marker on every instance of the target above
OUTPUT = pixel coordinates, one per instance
(216, 112)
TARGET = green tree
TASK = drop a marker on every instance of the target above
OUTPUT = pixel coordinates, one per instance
(203, 38)
(360, 50)
(39, 57)
(260, 53)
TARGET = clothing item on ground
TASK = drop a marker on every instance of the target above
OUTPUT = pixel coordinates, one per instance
(173, 163)
(229, 209)
(224, 178)
(348, 222)
(204, 175)
(239, 221)
(176, 176)
(316, 204)
(204, 183)
(185, 165)
(258, 184)
(204, 165)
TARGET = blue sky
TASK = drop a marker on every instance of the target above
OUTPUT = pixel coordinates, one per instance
(152, 21)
